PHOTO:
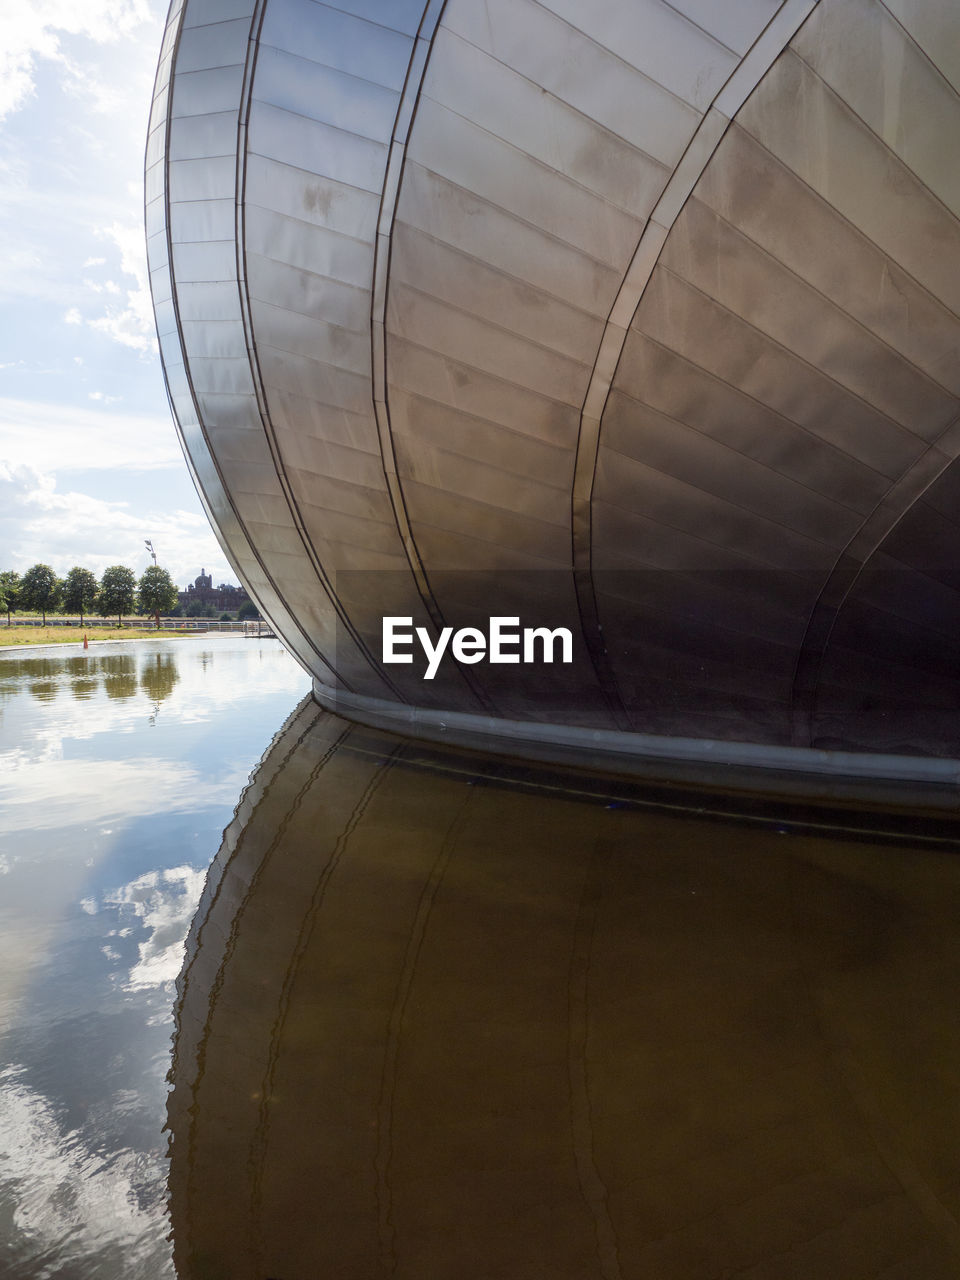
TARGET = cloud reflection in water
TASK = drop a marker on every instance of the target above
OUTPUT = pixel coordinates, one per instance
(119, 769)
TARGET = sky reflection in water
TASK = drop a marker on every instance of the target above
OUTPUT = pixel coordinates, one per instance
(119, 769)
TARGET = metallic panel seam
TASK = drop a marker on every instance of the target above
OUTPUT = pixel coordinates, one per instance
(854, 320)
(857, 230)
(758, 516)
(497, 269)
(604, 263)
(687, 22)
(766, 466)
(886, 515)
(487, 373)
(629, 210)
(914, 40)
(386, 217)
(746, 395)
(524, 338)
(378, 308)
(768, 46)
(542, 441)
(692, 22)
(847, 106)
(175, 303)
(734, 505)
(808, 364)
(246, 98)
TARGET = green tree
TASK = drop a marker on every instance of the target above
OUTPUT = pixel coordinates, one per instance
(195, 609)
(39, 589)
(118, 590)
(9, 591)
(248, 610)
(80, 589)
(157, 593)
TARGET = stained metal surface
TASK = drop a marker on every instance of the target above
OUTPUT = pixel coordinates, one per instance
(641, 318)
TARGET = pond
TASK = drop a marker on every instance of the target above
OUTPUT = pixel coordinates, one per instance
(412, 1011)
(119, 768)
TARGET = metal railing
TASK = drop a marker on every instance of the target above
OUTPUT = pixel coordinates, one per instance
(254, 627)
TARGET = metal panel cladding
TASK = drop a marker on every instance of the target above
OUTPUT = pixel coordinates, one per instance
(638, 318)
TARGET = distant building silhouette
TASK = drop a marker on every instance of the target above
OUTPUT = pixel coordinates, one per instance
(225, 597)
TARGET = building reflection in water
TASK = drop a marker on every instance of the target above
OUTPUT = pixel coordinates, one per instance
(440, 1020)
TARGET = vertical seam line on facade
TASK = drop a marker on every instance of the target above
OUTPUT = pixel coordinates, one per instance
(790, 16)
(175, 303)
(246, 99)
(379, 295)
(259, 1140)
(895, 504)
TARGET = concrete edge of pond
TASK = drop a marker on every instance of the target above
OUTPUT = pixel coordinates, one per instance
(870, 778)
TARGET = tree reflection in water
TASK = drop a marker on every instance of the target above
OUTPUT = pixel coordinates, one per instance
(119, 675)
(43, 686)
(446, 1018)
(158, 676)
(83, 683)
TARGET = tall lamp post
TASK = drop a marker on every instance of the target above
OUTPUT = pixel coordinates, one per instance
(149, 545)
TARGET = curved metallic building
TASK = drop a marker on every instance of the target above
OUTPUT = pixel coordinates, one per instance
(637, 318)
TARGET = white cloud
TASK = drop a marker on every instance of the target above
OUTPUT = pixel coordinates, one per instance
(31, 30)
(131, 324)
(41, 521)
(82, 439)
(73, 316)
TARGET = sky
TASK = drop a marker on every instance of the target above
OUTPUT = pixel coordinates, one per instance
(90, 463)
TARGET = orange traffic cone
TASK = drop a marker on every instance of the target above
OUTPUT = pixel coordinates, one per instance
(85, 645)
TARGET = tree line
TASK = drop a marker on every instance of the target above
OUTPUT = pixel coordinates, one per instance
(39, 590)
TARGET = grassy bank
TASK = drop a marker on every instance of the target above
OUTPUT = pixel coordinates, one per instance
(74, 635)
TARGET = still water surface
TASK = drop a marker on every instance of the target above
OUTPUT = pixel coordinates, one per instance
(119, 769)
(444, 1017)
